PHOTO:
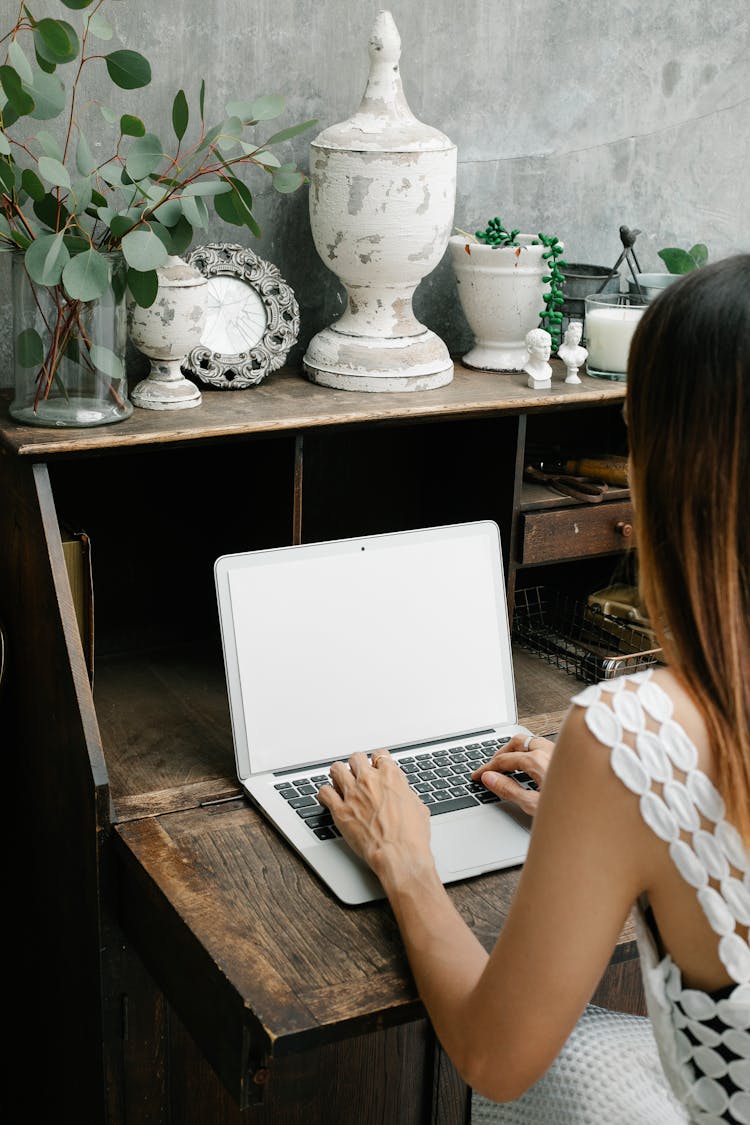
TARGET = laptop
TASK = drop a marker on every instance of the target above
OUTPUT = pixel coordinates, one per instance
(395, 641)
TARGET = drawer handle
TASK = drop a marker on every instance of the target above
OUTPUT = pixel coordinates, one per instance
(625, 529)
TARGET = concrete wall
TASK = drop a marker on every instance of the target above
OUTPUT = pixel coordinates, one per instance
(570, 118)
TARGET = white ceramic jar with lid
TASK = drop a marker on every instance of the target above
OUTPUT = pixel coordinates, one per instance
(382, 200)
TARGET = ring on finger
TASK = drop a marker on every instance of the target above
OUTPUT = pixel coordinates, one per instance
(528, 741)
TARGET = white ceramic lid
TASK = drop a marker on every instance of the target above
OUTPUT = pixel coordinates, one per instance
(384, 121)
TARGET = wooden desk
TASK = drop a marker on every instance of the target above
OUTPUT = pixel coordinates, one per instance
(129, 861)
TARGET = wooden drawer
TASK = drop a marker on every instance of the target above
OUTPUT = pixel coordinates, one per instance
(572, 533)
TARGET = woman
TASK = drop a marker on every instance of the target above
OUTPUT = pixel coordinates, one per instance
(646, 798)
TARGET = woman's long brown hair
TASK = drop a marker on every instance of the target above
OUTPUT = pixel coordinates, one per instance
(688, 415)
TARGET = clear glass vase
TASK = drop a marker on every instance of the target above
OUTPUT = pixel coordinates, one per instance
(69, 355)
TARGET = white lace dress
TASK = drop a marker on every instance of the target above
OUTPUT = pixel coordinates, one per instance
(607, 1069)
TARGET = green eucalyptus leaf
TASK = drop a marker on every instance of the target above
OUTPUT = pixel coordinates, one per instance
(195, 211)
(99, 27)
(699, 253)
(169, 212)
(7, 177)
(122, 223)
(107, 362)
(128, 69)
(152, 193)
(252, 225)
(18, 98)
(10, 115)
(164, 236)
(29, 349)
(77, 5)
(45, 258)
(143, 250)
(50, 145)
(81, 192)
(132, 126)
(85, 162)
(21, 240)
(209, 138)
(112, 173)
(86, 276)
(44, 64)
(98, 199)
(54, 172)
(243, 204)
(230, 134)
(4, 144)
(75, 243)
(225, 208)
(243, 110)
(32, 185)
(19, 62)
(49, 96)
(108, 114)
(106, 214)
(56, 41)
(182, 235)
(202, 97)
(292, 131)
(677, 260)
(262, 157)
(145, 155)
(268, 107)
(206, 187)
(180, 114)
(143, 286)
(243, 192)
(50, 212)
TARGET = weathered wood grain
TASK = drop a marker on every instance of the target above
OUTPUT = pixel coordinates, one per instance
(286, 400)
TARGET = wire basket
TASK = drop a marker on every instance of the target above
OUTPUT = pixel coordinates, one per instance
(579, 638)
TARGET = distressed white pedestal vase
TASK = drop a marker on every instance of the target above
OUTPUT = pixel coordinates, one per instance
(165, 333)
(382, 198)
(502, 294)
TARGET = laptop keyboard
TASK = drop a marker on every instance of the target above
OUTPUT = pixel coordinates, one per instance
(441, 778)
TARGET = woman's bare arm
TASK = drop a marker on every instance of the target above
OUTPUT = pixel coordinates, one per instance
(503, 1018)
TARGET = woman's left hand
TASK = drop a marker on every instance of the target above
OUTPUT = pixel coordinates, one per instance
(377, 813)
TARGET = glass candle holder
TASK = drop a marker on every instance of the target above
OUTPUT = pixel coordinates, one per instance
(611, 320)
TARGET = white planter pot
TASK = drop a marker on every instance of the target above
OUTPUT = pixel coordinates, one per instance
(502, 295)
(382, 196)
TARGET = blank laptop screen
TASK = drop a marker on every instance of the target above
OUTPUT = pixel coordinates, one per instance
(366, 643)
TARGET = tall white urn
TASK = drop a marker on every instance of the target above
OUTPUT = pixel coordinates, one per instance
(382, 199)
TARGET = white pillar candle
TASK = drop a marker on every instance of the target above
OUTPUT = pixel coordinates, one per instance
(609, 331)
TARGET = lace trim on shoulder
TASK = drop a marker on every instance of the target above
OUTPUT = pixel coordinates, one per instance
(654, 758)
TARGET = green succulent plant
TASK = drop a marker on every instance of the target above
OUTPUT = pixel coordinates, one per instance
(684, 261)
(66, 209)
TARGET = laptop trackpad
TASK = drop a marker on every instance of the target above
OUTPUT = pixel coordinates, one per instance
(494, 840)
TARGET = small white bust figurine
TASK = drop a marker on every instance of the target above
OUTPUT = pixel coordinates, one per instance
(571, 352)
(537, 367)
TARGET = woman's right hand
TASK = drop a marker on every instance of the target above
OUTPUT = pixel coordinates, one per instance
(530, 754)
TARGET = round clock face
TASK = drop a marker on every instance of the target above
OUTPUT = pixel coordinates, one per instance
(236, 316)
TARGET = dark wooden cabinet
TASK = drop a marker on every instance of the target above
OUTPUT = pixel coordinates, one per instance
(159, 934)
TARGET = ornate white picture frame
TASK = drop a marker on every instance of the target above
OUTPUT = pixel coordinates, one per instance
(253, 317)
